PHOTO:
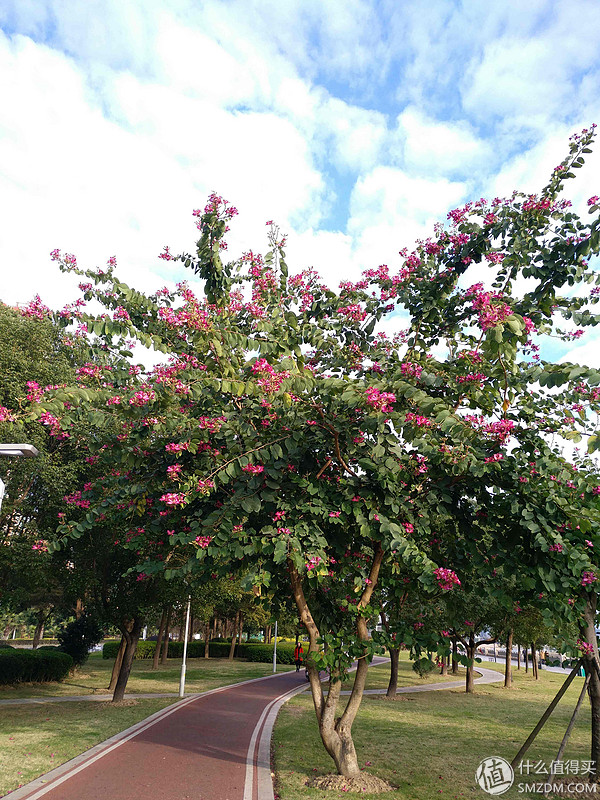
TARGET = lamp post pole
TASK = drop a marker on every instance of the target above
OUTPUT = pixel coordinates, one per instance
(275, 649)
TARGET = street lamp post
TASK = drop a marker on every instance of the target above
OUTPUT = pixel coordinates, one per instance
(15, 451)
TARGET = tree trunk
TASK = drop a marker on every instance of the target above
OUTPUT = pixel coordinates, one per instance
(159, 638)
(268, 634)
(444, 669)
(207, 640)
(470, 681)
(588, 635)
(131, 637)
(165, 648)
(233, 635)
(454, 656)
(526, 659)
(240, 629)
(336, 733)
(117, 665)
(39, 628)
(534, 664)
(508, 667)
(78, 608)
(393, 684)
(518, 656)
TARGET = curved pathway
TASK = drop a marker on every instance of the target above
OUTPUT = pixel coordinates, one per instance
(211, 746)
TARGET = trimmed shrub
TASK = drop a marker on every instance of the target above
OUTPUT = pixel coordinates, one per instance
(78, 636)
(246, 650)
(33, 666)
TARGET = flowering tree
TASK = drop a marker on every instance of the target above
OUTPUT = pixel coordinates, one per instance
(281, 431)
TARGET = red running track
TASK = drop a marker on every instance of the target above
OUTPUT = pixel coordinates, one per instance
(195, 750)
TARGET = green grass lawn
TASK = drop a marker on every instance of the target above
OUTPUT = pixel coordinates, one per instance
(429, 744)
(378, 677)
(202, 674)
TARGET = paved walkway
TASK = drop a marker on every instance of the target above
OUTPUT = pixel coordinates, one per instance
(212, 746)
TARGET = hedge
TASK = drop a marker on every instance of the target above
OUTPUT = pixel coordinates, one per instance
(34, 666)
(249, 651)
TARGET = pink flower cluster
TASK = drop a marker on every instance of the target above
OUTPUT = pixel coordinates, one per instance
(173, 471)
(35, 309)
(191, 316)
(211, 424)
(203, 541)
(177, 447)
(472, 377)
(556, 548)
(588, 578)
(269, 380)
(173, 498)
(121, 314)
(585, 648)
(40, 545)
(205, 486)
(446, 578)
(380, 401)
(253, 469)
(313, 562)
(490, 313)
(492, 459)
(6, 415)
(142, 397)
(353, 312)
(76, 499)
(421, 422)
(411, 370)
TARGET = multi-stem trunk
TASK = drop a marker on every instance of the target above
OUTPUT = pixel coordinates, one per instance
(588, 635)
(508, 666)
(336, 733)
(132, 636)
(159, 638)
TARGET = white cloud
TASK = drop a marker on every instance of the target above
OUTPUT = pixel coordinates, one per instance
(430, 147)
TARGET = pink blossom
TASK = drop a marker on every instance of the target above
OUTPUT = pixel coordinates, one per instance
(313, 563)
(585, 648)
(446, 578)
(203, 541)
(121, 314)
(205, 486)
(6, 415)
(173, 498)
(556, 548)
(174, 470)
(593, 201)
(380, 401)
(588, 578)
(335, 513)
(253, 469)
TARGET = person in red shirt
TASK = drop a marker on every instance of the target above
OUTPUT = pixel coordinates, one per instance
(298, 656)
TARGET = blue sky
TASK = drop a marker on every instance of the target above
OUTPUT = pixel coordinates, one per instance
(354, 124)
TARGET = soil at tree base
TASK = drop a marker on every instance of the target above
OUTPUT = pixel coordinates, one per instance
(361, 783)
